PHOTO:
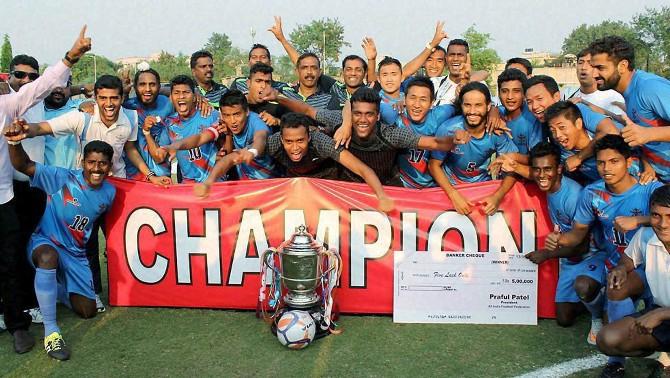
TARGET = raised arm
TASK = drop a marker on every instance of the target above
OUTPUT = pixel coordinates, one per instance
(20, 159)
(19, 130)
(276, 29)
(370, 50)
(220, 168)
(413, 65)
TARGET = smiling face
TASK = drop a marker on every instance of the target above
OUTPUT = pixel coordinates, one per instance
(390, 78)
(456, 57)
(109, 104)
(364, 117)
(660, 222)
(182, 99)
(475, 108)
(612, 166)
(353, 73)
(309, 72)
(418, 101)
(295, 141)
(435, 63)
(546, 172)
(605, 72)
(96, 167)
(147, 88)
(234, 117)
(539, 99)
(566, 132)
(511, 95)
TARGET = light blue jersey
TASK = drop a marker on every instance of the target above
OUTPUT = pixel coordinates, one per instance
(648, 104)
(61, 151)
(162, 108)
(262, 167)
(196, 163)
(72, 207)
(526, 129)
(599, 206)
(469, 162)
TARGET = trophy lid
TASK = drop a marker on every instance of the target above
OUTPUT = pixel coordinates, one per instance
(301, 241)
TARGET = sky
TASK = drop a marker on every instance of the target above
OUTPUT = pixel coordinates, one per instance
(123, 28)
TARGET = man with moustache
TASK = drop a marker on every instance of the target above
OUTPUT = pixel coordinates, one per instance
(469, 162)
(202, 69)
(354, 69)
(647, 100)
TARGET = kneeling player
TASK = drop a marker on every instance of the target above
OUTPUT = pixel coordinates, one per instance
(57, 249)
(582, 267)
(644, 266)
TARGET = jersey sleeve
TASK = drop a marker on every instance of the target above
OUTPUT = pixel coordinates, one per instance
(49, 178)
(388, 114)
(444, 112)
(273, 145)
(504, 144)
(443, 130)
(325, 146)
(636, 249)
(331, 118)
(658, 98)
(591, 119)
(400, 137)
(534, 135)
(131, 103)
(67, 124)
(584, 212)
(132, 120)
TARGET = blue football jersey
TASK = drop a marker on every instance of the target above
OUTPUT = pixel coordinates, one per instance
(61, 151)
(72, 206)
(262, 167)
(526, 129)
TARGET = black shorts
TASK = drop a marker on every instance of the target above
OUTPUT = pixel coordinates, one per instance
(661, 333)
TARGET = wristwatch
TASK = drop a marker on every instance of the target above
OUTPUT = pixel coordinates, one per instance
(70, 60)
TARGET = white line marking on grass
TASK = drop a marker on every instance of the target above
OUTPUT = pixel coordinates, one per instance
(569, 367)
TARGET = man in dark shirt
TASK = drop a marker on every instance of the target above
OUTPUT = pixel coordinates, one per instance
(259, 82)
(260, 54)
(202, 68)
(304, 153)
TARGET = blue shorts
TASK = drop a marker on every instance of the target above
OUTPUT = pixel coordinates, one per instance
(592, 267)
(73, 272)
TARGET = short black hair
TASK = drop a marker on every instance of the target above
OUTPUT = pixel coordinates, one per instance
(308, 54)
(24, 59)
(543, 149)
(440, 48)
(522, 61)
(583, 52)
(660, 196)
(151, 71)
(422, 81)
(260, 67)
(355, 57)
(365, 94)
(469, 87)
(459, 42)
(99, 146)
(616, 48)
(562, 108)
(182, 79)
(549, 83)
(200, 54)
(232, 98)
(511, 74)
(108, 82)
(387, 61)
(614, 142)
(259, 46)
(294, 120)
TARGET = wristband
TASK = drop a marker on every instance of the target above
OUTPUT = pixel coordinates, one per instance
(70, 60)
(151, 173)
(13, 143)
(429, 47)
(254, 152)
(146, 132)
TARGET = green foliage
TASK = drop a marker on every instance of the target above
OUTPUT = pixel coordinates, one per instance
(581, 37)
(5, 54)
(310, 37)
(482, 56)
(653, 27)
(284, 69)
(169, 66)
(90, 65)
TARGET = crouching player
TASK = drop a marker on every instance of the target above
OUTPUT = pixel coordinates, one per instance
(644, 266)
(582, 274)
(57, 248)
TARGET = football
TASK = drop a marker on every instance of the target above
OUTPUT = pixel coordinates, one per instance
(296, 329)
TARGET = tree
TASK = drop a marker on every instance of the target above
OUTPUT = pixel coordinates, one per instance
(169, 66)
(284, 69)
(324, 37)
(481, 55)
(653, 28)
(5, 54)
(583, 35)
(91, 65)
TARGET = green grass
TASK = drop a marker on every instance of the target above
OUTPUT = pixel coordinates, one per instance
(194, 342)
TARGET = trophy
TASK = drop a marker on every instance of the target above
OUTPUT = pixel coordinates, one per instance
(300, 275)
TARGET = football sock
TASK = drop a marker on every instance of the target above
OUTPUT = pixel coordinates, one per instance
(617, 310)
(46, 289)
(595, 307)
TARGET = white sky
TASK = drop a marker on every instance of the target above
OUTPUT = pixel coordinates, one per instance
(120, 28)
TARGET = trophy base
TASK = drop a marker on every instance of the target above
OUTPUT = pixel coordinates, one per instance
(315, 312)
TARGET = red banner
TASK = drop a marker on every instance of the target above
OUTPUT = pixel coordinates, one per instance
(168, 248)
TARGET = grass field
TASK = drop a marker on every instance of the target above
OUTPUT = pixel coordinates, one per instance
(190, 342)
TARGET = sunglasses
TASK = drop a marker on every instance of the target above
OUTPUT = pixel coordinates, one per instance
(21, 74)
